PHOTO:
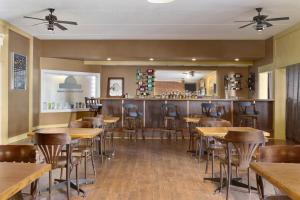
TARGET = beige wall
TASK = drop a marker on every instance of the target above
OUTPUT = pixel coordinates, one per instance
(18, 100)
(160, 49)
(243, 93)
(210, 80)
(59, 64)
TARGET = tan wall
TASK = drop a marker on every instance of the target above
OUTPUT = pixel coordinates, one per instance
(67, 65)
(18, 100)
(210, 80)
(167, 86)
(243, 93)
(163, 50)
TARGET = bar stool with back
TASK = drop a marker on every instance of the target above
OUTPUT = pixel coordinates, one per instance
(247, 114)
(85, 147)
(133, 120)
(171, 117)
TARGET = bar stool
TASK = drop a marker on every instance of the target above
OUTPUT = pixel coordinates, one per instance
(212, 110)
(247, 114)
(133, 120)
(170, 116)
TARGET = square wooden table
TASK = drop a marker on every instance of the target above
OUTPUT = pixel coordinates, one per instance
(16, 176)
(285, 176)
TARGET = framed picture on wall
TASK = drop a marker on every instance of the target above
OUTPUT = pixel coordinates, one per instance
(115, 87)
(18, 71)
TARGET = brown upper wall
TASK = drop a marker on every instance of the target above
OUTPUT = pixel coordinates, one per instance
(18, 100)
(163, 50)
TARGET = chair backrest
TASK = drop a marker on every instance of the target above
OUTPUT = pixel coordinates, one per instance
(51, 145)
(80, 124)
(131, 110)
(18, 153)
(207, 108)
(95, 122)
(247, 107)
(280, 154)
(169, 110)
(212, 122)
(245, 144)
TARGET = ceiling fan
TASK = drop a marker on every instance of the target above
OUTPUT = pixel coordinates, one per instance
(51, 21)
(262, 21)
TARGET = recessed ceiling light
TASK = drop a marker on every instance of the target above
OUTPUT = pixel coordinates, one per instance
(151, 59)
(108, 59)
(160, 1)
(194, 59)
(236, 59)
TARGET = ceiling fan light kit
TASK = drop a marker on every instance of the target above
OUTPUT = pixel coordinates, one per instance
(52, 21)
(261, 22)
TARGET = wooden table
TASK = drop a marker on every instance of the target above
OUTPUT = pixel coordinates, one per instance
(16, 176)
(75, 133)
(222, 131)
(110, 120)
(285, 176)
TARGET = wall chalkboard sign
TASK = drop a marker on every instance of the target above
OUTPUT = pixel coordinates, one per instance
(18, 71)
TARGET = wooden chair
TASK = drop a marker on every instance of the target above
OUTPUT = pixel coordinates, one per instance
(20, 153)
(247, 114)
(52, 145)
(171, 116)
(211, 144)
(276, 154)
(85, 146)
(245, 145)
(97, 122)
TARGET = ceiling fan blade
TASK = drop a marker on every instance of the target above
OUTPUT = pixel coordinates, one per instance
(61, 27)
(245, 21)
(39, 23)
(277, 19)
(267, 23)
(247, 25)
(35, 18)
(67, 22)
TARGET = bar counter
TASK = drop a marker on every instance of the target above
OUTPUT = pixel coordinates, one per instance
(151, 109)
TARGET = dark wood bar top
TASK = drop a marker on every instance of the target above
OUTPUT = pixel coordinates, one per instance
(189, 99)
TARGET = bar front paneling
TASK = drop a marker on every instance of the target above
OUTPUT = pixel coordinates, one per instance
(152, 116)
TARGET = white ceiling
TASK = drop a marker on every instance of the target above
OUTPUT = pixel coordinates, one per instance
(179, 75)
(139, 19)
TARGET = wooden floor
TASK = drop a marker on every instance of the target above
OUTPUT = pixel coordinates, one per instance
(154, 170)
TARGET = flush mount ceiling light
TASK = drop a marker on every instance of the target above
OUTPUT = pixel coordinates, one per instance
(108, 59)
(194, 59)
(151, 59)
(236, 59)
(160, 1)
